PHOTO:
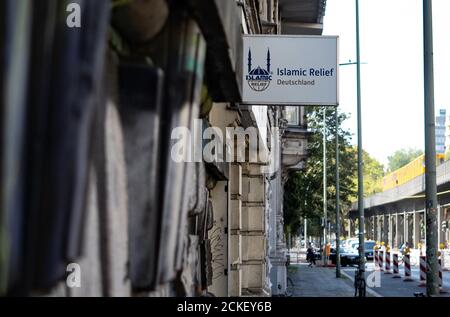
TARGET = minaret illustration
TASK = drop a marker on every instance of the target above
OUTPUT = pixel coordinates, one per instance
(249, 61)
(258, 78)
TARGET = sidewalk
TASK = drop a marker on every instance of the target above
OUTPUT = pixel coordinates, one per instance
(391, 287)
(318, 282)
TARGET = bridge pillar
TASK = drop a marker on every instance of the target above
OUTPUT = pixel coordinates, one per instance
(371, 235)
(405, 227)
(440, 216)
(410, 226)
(378, 228)
(390, 230)
(374, 226)
(416, 228)
(367, 229)
(386, 228)
(398, 231)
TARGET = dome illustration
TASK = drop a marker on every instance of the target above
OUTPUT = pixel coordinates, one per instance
(258, 72)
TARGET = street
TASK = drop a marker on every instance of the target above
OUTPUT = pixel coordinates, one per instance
(322, 282)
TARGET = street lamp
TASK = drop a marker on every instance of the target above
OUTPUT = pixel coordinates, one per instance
(324, 257)
(430, 154)
(362, 258)
(360, 159)
(338, 229)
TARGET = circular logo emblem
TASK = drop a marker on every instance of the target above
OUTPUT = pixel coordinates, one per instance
(258, 78)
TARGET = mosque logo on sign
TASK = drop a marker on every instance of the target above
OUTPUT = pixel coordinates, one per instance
(258, 78)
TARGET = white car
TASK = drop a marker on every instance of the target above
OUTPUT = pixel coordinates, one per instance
(349, 242)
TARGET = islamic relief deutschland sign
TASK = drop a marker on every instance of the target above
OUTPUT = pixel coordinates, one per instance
(293, 70)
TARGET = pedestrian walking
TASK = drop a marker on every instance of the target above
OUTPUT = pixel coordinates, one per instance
(310, 255)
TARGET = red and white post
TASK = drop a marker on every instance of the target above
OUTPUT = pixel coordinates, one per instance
(407, 261)
(380, 258)
(395, 262)
(388, 263)
(441, 288)
(375, 260)
(423, 271)
(443, 254)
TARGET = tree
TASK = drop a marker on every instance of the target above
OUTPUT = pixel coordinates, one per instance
(402, 157)
(373, 172)
(303, 192)
(447, 155)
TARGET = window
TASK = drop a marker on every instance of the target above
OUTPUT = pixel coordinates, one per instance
(293, 115)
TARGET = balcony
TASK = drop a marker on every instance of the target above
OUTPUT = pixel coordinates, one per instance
(302, 17)
(294, 142)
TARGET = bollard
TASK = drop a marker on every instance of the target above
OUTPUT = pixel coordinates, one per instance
(444, 268)
(375, 256)
(395, 261)
(380, 258)
(388, 263)
(407, 261)
(441, 286)
(376, 260)
(423, 271)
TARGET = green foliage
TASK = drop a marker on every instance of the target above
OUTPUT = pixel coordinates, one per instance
(303, 192)
(402, 157)
(447, 155)
(373, 171)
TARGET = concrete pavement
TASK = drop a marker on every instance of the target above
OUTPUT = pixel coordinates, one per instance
(396, 287)
(322, 282)
(318, 282)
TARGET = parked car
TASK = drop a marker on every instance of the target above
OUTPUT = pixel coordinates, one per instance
(350, 255)
(368, 249)
(348, 242)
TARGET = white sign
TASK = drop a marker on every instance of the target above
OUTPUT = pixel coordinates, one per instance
(295, 70)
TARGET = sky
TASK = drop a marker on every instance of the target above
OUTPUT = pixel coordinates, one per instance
(391, 38)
